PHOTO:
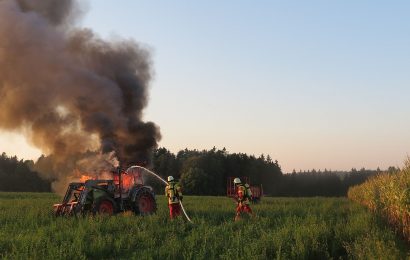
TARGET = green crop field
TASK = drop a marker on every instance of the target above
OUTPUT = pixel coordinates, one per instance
(284, 228)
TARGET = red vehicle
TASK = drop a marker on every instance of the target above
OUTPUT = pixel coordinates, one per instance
(257, 190)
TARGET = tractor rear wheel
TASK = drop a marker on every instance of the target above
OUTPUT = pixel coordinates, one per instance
(105, 206)
(144, 203)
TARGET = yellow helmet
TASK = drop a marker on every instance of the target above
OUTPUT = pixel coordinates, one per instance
(170, 178)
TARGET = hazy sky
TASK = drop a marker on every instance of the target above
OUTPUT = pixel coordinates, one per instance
(315, 84)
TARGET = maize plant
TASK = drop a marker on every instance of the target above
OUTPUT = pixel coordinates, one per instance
(388, 195)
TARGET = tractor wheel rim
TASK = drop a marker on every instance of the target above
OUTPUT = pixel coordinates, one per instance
(106, 207)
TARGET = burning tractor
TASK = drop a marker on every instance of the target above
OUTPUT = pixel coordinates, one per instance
(125, 191)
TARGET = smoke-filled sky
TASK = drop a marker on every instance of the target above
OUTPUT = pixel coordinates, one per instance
(315, 84)
(67, 90)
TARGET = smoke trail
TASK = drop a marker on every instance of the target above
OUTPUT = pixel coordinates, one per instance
(70, 91)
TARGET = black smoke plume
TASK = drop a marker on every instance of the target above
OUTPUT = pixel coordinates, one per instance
(69, 91)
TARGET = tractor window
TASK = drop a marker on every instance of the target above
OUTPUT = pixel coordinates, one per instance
(137, 174)
(127, 181)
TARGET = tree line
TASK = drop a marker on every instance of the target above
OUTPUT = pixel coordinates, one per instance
(16, 175)
(322, 183)
(205, 172)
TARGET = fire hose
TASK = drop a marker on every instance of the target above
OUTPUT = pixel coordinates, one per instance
(183, 209)
(164, 181)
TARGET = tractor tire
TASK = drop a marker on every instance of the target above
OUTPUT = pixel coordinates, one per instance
(144, 203)
(104, 206)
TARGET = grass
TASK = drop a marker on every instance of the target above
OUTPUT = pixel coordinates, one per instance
(285, 228)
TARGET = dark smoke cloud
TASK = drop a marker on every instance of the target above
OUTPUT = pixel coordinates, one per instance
(67, 89)
(55, 11)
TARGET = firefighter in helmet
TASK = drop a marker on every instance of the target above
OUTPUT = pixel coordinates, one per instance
(174, 194)
(243, 195)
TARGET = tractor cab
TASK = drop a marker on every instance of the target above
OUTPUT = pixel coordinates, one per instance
(128, 179)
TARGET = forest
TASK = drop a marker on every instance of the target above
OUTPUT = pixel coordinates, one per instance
(205, 172)
(16, 175)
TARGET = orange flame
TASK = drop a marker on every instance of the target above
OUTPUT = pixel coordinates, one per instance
(85, 178)
(127, 180)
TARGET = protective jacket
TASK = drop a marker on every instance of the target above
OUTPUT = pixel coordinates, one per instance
(243, 194)
(173, 192)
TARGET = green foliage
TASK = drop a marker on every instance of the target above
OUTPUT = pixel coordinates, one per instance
(165, 162)
(388, 195)
(195, 181)
(205, 172)
(315, 228)
(16, 175)
(200, 172)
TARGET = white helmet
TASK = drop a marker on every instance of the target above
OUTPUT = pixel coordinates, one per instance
(237, 181)
(170, 178)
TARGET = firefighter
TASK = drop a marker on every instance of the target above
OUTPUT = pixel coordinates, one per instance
(174, 195)
(243, 195)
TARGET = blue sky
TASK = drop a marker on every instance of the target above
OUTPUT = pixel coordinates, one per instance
(315, 84)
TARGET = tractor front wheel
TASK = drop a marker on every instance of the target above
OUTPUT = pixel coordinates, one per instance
(104, 206)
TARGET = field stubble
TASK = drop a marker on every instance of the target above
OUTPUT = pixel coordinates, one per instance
(284, 228)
